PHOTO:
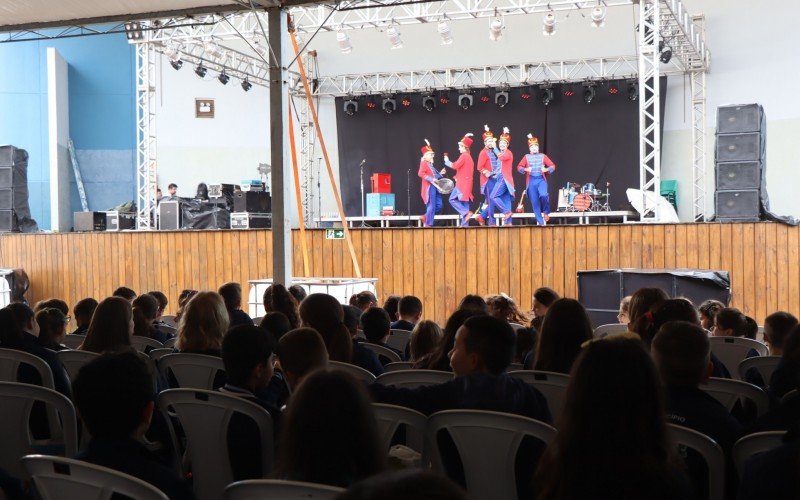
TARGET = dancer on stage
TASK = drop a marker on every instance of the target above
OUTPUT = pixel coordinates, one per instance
(537, 167)
(489, 167)
(461, 197)
(503, 194)
(430, 193)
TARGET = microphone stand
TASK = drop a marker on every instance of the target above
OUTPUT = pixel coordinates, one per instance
(408, 195)
(363, 222)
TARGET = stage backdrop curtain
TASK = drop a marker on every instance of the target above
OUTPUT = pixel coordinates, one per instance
(589, 143)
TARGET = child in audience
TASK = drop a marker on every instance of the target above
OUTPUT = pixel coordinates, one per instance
(300, 352)
(52, 304)
(410, 311)
(787, 373)
(543, 298)
(324, 314)
(83, 312)
(439, 358)
(613, 442)
(474, 303)
(362, 357)
(623, 316)
(232, 295)
(298, 293)
(750, 328)
(375, 325)
(111, 327)
(330, 434)
(278, 299)
(776, 328)
(183, 299)
(203, 324)
(644, 300)
(392, 307)
(114, 397)
(275, 323)
(124, 292)
(504, 307)
(708, 310)
(145, 312)
(52, 328)
(424, 339)
(364, 300)
(565, 328)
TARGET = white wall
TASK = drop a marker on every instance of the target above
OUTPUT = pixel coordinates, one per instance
(749, 64)
(58, 140)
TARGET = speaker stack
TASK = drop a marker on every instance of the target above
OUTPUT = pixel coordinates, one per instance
(739, 158)
(15, 214)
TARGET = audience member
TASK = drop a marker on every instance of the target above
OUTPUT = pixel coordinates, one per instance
(729, 322)
(300, 352)
(324, 313)
(543, 298)
(644, 300)
(145, 311)
(83, 312)
(163, 302)
(708, 310)
(410, 311)
(203, 325)
(392, 307)
(613, 442)
(375, 325)
(183, 299)
(361, 356)
(772, 474)
(330, 434)
(111, 327)
(526, 343)
(503, 307)
(439, 358)
(405, 485)
(278, 299)
(424, 338)
(364, 300)
(565, 328)
(750, 328)
(114, 397)
(232, 295)
(124, 292)
(52, 304)
(52, 328)
(275, 323)
(787, 373)
(298, 292)
(776, 328)
(474, 303)
(623, 316)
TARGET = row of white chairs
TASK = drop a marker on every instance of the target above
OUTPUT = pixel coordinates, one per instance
(137, 342)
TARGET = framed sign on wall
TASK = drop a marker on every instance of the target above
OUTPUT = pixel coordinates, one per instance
(204, 108)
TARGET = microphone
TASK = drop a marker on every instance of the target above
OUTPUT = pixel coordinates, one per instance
(362, 162)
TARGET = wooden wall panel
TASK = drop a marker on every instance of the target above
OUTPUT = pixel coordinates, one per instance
(439, 266)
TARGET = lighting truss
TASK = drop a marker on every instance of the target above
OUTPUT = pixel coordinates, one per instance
(649, 110)
(146, 153)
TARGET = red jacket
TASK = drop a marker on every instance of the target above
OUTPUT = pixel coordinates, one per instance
(426, 170)
(484, 164)
(507, 163)
(464, 168)
(546, 161)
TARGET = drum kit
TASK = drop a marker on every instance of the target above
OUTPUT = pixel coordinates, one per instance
(587, 198)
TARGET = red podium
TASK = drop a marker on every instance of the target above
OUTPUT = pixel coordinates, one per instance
(381, 183)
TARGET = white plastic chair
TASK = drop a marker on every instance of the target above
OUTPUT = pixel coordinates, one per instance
(354, 370)
(16, 401)
(553, 387)
(171, 341)
(516, 326)
(170, 320)
(74, 360)
(398, 366)
(10, 359)
(192, 371)
(398, 339)
(204, 417)
(157, 354)
(140, 343)
(711, 453)
(790, 395)
(257, 489)
(515, 367)
(73, 341)
(380, 350)
(411, 379)
(753, 444)
(487, 443)
(732, 350)
(610, 329)
(257, 321)
(728, 392)
(764, 365)
(391, 417)
(56, 478)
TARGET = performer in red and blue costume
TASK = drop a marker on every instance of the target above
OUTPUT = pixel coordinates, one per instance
(430, 193)
(503, 194)
(461, 197)
(537, 167)
(489, 168)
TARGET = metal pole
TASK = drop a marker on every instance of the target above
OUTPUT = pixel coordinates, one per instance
(649, 108)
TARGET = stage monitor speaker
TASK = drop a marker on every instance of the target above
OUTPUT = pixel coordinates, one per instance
(600, 292)
(5, 177)
(741, 205)
(89, 221)
(738, 147)
(739, 175)
(169, 215)
(740, 118)
(6, 198)
(8, 221)
(255, 202)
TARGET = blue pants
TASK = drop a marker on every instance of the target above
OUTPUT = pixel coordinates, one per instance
(501, 199)
(540, 200)
(462, 207)
(434, 205)
(487, 191)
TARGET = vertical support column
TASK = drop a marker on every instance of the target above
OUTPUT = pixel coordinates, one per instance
(698, 89)
(649, 109)
(279, 143)
(308, 140)
(145, 133)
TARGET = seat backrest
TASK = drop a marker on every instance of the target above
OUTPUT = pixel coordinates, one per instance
(74, 360)
(140, 343)
(553, 387)
(171, 341)
(73, 341)
(354, 370)
(391, 417)
(204, 417)
(58, 477)
(411, 379)
(764, 365)
(728, 392)
(515, 367)
(170, 320)
(192, 371)
(10, 359)
(516, 326)
(487, 443)
(732, 350)
(381, 351)
(16, 401)
(398, 339)
(285, 490)
(711, 453)
(398, 366)
(753, 444)
(157, 354)
(610, 329)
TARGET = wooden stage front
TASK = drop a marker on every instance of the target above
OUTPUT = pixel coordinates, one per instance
(438, 265)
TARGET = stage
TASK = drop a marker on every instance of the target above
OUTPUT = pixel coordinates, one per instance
(439, 266)
(388, 221)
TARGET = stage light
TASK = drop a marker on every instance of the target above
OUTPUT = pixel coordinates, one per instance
(485, 96)
(345, 47)
(666, 55)
(546, 95)
(428, 102)
(212, 49)
(633, 90)
(567, 91)
(200, 70)
(444, 97)
(496, 29)
(445, 33)
(223, 78)
(465, 100)
(598, 17)
(406, 102)
(389, 104)
(246, 85)
(394, 37)
(177, 64)
(371, 104)
(501, 98)
(549, 24)
(525, 94)
(133, 30)
(350, 107)
(589, 92)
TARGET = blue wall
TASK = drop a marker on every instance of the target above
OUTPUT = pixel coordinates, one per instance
(102, 110)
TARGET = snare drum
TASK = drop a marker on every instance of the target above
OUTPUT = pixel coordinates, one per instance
(582, 202)
(588, 188)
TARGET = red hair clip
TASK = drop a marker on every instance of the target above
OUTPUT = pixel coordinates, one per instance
(649, 316)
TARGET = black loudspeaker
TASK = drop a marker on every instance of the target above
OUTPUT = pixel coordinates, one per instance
(8, 221)
(5, 177)
(89, 221)
(14, 190)
(6, 199)
(739, 175)
(739, 147)
(169, 215)
(738, 205)
(257, 202)
(738, 119)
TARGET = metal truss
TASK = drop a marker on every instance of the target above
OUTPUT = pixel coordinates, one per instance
(308, 143)
(698, 89)
(649, 110)
(146, 183)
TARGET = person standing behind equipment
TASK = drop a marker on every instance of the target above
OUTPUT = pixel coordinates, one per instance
(489, 167)
(461, 197)
(430, 194)
(537, 167)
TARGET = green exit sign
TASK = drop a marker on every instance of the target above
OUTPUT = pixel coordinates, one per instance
(334, 234)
